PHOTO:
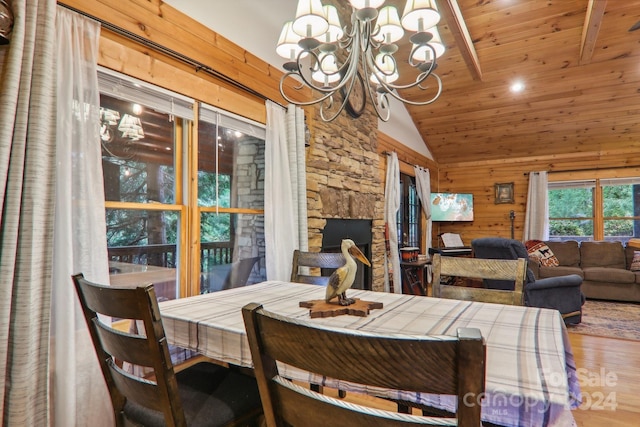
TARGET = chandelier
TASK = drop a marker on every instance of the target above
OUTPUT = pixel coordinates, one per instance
(346, 64)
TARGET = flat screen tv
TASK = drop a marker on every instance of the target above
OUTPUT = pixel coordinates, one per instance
(451, 207)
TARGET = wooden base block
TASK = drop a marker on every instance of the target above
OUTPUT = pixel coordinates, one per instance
(321, 308)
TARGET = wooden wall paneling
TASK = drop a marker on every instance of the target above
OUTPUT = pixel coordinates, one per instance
(165, 26)
(123, 55)
(479, 178)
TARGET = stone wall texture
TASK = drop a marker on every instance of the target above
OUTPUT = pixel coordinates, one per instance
(344, 179)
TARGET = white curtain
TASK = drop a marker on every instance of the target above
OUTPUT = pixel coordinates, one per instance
(27, 173)
(79, 394)
(536, 221)
(423, 188)
(285, 189)
(391, 206)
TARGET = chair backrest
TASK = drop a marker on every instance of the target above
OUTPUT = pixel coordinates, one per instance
(477, 268)
(501, 248)
(148, 350)
(452, 365)
(328, 261)
(239, 273)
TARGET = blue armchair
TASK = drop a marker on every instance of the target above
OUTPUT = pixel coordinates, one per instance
(560, 293)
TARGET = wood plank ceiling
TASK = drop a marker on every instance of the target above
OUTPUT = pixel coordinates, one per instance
(579, 63)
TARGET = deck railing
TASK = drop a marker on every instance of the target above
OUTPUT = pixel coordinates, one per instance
(211, 253)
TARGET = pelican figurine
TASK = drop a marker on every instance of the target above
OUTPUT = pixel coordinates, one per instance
(342, 279)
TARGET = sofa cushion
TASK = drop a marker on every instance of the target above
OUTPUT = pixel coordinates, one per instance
(567, 252)
(539, 251)
(544, 272)
(609, 275)
(602, 254)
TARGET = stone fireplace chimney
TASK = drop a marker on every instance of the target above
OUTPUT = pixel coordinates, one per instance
(344, 180)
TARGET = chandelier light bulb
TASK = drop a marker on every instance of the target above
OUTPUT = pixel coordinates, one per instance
(420, 15)
(389, 26)
(310, 19)
(288, 47)
(423, 54)
(334, 32)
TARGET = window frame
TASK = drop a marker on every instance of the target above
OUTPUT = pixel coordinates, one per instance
(185, 170)
(596, 179)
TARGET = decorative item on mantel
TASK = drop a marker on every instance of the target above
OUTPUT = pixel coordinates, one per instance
(339, 282)
(315, 43)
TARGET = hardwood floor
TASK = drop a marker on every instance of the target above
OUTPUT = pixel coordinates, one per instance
(609, 375)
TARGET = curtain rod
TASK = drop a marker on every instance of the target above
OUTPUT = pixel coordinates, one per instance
(583, 169)
(198, 66)
(406, 163)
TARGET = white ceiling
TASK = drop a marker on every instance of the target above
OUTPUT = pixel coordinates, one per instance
(255, 26)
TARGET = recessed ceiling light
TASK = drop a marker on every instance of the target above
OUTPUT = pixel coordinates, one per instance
(517, 87)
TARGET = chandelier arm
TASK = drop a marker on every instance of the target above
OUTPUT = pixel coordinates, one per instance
(301, 103)
(380, 102)
(417, 64)
(326, 90)
(383, 106)
(377, 70)
(332, 117)
(309, 82)
(418, 103)
(381, 98)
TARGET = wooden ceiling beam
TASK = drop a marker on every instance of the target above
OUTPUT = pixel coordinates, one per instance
(592, 22)
(457, 26)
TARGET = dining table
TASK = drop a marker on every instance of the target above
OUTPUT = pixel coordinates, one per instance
(530, 375)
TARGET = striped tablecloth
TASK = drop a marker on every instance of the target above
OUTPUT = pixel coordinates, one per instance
(530, 377)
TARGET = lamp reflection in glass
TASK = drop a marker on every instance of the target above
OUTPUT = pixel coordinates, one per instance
(131, 127)
(327, 57)
(108, 119)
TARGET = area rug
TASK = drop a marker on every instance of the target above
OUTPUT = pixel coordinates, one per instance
(609, 319)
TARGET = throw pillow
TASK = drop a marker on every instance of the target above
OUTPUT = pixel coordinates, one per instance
(539, 250)
(634, 243)
(635, 263)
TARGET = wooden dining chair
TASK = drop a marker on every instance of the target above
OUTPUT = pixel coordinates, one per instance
(450, 365)
(476, 268)
(323, 262)
(327, 262)
(204, 394)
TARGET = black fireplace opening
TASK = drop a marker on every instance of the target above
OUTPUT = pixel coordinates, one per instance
(358, 230)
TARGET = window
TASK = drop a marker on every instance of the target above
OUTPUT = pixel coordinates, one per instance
(408, 217)
(571, 213)
(598, 209)
(620, 208)
(231, 171)
(177, 218)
